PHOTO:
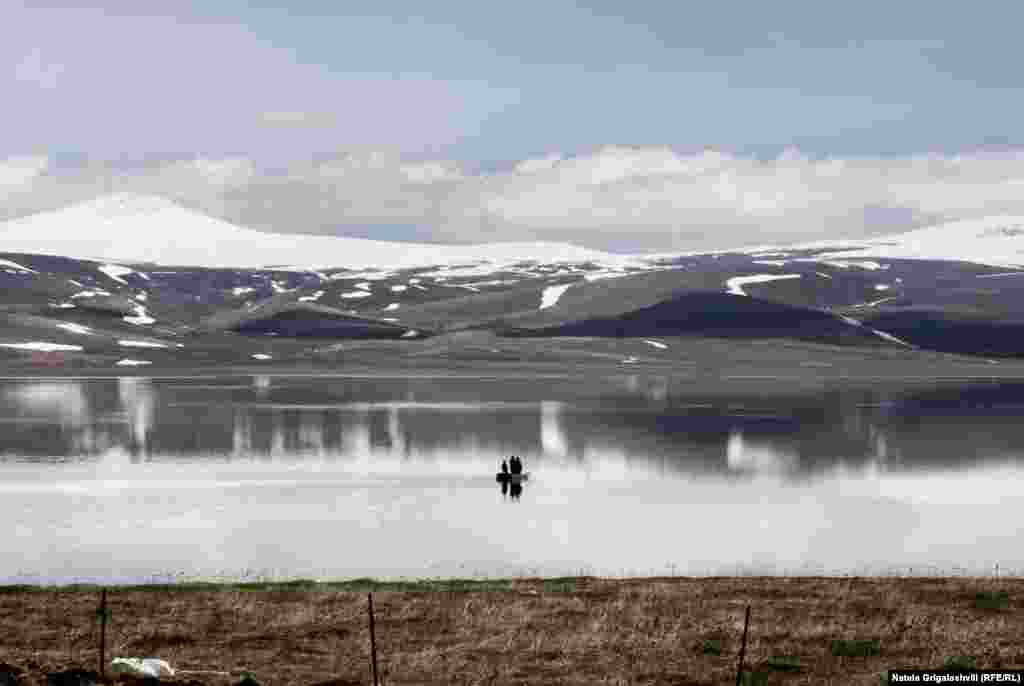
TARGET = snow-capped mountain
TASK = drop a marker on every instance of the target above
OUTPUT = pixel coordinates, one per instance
(176, 286)
(996, 241)
(133, 228)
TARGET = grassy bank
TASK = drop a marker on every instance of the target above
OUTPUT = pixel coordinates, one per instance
(803, 630)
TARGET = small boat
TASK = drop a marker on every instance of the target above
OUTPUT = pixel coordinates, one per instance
(513, 478)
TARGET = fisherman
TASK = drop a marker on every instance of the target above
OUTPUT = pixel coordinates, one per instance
(504, 467)
(516, 466)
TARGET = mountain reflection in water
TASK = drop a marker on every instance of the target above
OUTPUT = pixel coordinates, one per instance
(396, 425)
(135, 478)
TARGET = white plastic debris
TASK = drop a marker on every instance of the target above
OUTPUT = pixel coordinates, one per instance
(139, 666)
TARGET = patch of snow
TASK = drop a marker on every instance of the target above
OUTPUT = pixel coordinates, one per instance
(656, 344)
(494, 282)
(595, 276)
(142, 296)
(315, 296)
(355, 294)
(90, 294)
(410, 333)
(278, 287)
(369, 276)
(773, 263)
(823, 275)
(363, 285)
(398, 289)
(75, 328)
(414, 280)
(851, 321)
(75, 283)
(388, 319)
(43, 346)
(845, 264)
(890, 338)
(422, 288)
(116, 271)
(64, 306)
(882, 286)
(141, 344)
(392, 306)
(18, 267)
(132, 363)
(144, 275)
(736, 283)
(550, 296)
(629, 360)
(261, 356)
(468, 287)
(242, 290)
(140, 316)
(876, 302)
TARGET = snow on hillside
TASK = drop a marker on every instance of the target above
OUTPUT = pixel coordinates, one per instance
(736, 283)
(116, 271)
(996, 241)
(133, 228)
(552, 294)
(15, 267)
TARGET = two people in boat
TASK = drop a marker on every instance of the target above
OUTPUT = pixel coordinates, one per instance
(514, 463)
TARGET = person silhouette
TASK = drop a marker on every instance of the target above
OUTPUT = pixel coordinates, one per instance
(504, 467)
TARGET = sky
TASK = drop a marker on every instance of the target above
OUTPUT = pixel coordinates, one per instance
(633, 127)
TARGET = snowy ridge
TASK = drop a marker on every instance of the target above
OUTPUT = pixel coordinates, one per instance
(133, 228)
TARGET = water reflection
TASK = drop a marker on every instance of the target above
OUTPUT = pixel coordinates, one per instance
(265, 470)
(651, 428)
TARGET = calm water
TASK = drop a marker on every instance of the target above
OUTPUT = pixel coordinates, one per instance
(138, 479)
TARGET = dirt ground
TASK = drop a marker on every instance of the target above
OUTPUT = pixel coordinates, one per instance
(568, 631)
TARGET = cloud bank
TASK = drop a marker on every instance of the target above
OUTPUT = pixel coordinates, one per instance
(627, 199)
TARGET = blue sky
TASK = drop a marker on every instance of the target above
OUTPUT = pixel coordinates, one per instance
(489, 85)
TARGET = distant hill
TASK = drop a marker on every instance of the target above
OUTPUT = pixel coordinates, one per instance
(178, 285)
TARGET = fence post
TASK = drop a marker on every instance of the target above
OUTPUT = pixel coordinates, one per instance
(743, 647)
(373, 640)
(103, 632)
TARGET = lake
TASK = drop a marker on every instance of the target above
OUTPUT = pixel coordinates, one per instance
(265, 477)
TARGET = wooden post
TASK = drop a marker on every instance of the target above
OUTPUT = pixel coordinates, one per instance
(373, 640)
(103, 633)
(743, 647)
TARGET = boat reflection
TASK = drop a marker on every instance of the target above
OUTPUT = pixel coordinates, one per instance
(511, 488)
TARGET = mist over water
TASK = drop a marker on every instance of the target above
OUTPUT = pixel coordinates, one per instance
(137, 479)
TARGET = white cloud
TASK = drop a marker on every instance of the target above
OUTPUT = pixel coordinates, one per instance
(613, 198)
(20, 171)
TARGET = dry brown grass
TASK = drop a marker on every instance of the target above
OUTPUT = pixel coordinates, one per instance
(592, 631)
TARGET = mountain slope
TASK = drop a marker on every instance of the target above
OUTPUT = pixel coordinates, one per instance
(147, 229)
(997, 241)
